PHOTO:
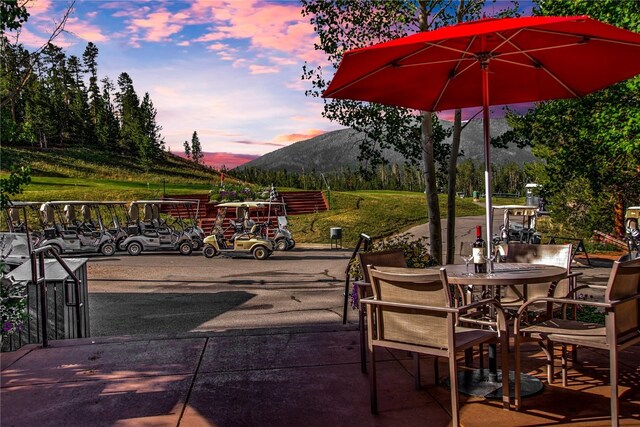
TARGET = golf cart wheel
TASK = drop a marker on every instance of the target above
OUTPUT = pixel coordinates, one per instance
(185, 248)
(282, 245)
(292, 244)
(197, 244)
(54, 248)
(261, 253)
(134, 248)
(108, 249)
(209, 251)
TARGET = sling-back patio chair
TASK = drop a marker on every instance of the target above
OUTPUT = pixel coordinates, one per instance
(414, 312)
(513, 297)
(621, 328)
(387, 258)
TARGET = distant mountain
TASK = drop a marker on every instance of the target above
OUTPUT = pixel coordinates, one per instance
(339, 148)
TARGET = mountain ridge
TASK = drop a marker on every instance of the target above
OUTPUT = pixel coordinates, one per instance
(339, 149)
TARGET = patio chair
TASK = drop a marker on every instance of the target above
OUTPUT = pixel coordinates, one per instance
(621, 328)
(513, 297)
(414, 312)
(388, 258)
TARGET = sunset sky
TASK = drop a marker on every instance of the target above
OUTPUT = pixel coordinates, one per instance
(229, 70)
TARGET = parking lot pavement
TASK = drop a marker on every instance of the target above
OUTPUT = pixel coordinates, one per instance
(155, 293)
(171, 293)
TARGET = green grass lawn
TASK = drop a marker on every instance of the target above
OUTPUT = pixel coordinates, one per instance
(376, 213)
(56, 188)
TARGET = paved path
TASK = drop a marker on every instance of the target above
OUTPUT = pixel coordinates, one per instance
(277, 377)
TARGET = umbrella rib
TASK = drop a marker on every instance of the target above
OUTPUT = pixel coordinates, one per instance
(538, 63)
(394, 63)
(453, 72)
(584, 37)
(505, 40)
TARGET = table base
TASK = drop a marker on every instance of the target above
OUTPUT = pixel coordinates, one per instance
(476, 383)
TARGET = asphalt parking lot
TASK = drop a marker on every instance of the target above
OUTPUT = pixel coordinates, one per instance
(173, 294)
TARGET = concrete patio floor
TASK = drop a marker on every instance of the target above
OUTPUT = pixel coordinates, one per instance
(277, 377)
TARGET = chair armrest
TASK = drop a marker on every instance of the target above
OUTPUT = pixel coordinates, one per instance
(501, 318)
(573, 291)
(374, 302)
(563, 301)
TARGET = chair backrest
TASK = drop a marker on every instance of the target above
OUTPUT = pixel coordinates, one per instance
(424, 328)
(624, 282)
(556, 255)
(388, 258)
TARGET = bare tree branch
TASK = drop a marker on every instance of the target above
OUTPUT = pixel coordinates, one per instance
(33, 57)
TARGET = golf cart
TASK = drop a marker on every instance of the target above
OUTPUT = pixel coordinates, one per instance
(19, 214)
(115, 216)
(17, 244)
(66, 232)
(632, 217)
(147, 230)
(247, 235)
(187, 212)
(522, 230)
(281, 236)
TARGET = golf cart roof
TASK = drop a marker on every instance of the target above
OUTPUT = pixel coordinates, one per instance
(166, 202)
(21, 204)
(78, 202)
(518, 209)
(633, 212)
(248, 204)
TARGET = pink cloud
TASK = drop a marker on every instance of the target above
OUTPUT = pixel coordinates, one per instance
(263, 69)
(272, 26)
(38, 7)
(157, 26)
(85, 30)
(301, 136)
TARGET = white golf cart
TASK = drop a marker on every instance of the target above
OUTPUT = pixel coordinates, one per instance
(67, 232)
(519, 225)
(148, 230)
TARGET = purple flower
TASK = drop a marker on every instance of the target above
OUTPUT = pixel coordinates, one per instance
(7, 326)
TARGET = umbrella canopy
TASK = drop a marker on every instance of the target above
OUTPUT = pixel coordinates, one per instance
(529, 59)
(490, 62)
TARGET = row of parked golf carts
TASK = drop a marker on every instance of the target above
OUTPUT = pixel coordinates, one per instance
(84, 227)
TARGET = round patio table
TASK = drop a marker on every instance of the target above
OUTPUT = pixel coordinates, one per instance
(488, 382)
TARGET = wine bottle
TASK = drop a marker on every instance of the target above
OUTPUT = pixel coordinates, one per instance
(478, 249)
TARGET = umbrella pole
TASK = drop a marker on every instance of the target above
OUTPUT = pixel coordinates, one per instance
(487, 158)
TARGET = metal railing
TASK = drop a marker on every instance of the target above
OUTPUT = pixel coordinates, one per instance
(39, 280)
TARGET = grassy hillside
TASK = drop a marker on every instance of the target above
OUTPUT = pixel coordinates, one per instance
(81, 174)
(86, 174)
(377, 213)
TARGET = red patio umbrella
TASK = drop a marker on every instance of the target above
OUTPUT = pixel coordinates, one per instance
(490, 62)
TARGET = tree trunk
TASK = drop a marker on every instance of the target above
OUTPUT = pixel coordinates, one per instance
(451, 194)
(431, 192)
(618, 218)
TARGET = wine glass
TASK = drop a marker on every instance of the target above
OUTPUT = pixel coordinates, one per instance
(466, 253)
(489, 257)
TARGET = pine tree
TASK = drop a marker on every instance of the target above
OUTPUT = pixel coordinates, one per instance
(196, 148)
(187, 149)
